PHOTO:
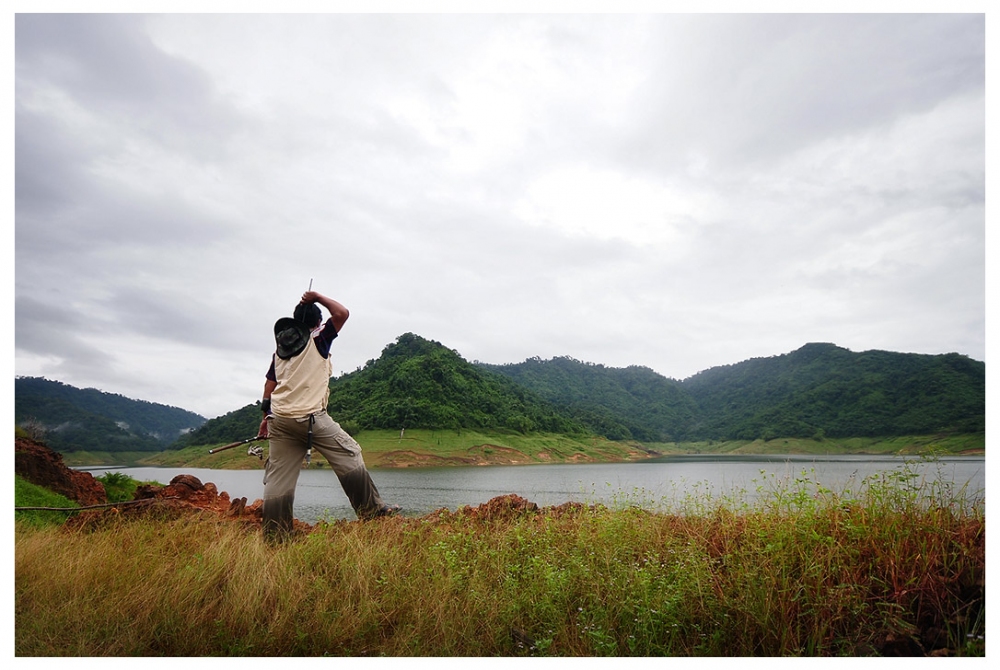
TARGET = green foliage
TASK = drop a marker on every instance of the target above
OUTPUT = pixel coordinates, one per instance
(418, 383)
(118, 486)
(236, 425)
(70, 419)
(821, 387)
(618, 403)
(27, 494)
(819, 391)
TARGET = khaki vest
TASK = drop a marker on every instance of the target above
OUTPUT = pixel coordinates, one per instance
(303, 384)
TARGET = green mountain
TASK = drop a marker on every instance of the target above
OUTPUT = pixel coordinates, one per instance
(73, 419)
(240, 424)
(818, 390)
(822, 389)
(618, 403)
(418, 383)
(415, 383)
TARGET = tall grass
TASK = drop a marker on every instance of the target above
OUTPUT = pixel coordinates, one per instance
(800, 571)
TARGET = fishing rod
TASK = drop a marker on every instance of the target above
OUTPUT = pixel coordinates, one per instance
(253, 451)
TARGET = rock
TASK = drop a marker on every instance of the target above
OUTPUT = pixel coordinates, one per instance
(42, 466)
(187, 492)
(189, 481)
(237, 506)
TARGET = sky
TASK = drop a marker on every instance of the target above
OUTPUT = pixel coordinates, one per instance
(676, 191)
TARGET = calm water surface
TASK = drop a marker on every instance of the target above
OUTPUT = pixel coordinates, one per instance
(655, 484)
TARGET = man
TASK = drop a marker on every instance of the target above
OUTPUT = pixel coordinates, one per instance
(296, 391)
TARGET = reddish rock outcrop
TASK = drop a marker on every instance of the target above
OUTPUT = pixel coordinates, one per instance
(187, 492)
(41, 466)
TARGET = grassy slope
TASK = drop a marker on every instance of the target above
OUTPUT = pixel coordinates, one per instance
(385, 448)
(421, 448)
(915, 444)
(27, 494)
(86, 459)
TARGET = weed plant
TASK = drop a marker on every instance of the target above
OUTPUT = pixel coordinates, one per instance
(798, 571)
(118, 486)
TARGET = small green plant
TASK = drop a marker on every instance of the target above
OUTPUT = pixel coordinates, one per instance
(118, 486)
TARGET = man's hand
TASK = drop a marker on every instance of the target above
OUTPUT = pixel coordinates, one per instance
(262, 431)
(338, 313)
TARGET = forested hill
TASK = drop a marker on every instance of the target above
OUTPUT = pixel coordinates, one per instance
(415, 383)
(818, 390)
(619, 403)
(822, 389)
(73, 419)
(418, 383)
(240, 424)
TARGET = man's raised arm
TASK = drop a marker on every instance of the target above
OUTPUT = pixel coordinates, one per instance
(338, 313)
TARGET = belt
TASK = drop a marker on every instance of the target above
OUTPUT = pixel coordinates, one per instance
(312, 420)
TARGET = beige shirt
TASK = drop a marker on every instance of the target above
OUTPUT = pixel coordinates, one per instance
(303, 384)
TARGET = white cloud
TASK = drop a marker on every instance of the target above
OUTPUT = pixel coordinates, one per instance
(602, 203)
(676, 191)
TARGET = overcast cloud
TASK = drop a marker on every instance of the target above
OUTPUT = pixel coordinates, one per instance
(672, 191)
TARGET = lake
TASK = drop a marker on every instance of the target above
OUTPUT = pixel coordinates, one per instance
(654, 484)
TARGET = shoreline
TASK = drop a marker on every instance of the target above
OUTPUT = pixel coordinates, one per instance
(460, 463)
(439, 448)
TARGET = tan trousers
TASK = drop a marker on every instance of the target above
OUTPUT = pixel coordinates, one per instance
(288, 441)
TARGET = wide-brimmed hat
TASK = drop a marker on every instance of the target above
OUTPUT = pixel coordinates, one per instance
(290, 337)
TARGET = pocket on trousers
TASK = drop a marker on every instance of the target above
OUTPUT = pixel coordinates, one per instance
(346, 442)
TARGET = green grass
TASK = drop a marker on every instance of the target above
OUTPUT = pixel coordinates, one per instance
(384, 448)
(801, 572)
(27, 494)
(417, 447)
(84, 459)
(534, 448)
(903, 445)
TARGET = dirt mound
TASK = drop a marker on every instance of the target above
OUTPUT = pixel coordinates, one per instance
(187, 492)
(510, 506)
(43, 467)
(501, 507)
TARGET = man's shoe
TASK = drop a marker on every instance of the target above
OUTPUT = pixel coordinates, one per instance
(389, 510)
(384, 510)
